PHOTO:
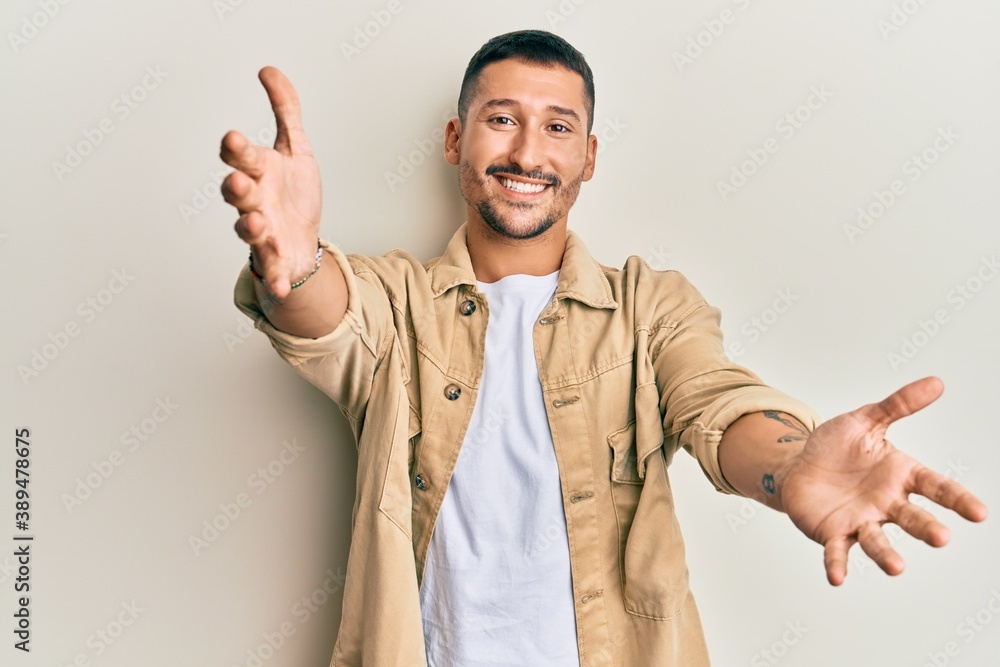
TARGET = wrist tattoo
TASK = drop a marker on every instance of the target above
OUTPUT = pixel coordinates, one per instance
(768, 483)
(800, 434)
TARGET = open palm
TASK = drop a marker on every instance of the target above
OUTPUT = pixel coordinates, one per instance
(849, 480)
(277, 191)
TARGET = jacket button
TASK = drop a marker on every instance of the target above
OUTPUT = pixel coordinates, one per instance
(452, 391)
(420, 482)
(467, 307)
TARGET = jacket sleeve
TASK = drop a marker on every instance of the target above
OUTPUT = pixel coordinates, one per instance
(701, 390)
(342, 364)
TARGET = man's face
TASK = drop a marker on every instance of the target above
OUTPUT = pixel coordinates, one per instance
(523, 150)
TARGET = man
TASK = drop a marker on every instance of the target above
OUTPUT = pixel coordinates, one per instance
(516, 404)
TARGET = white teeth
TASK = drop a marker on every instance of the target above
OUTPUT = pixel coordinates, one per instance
(517, 186)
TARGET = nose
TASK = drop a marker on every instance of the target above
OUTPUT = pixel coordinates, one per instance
(526, 151)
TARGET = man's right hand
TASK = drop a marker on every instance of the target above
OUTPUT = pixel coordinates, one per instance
(277, 191)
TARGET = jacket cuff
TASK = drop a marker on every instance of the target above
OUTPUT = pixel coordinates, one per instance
(705, 433)
(297, 348)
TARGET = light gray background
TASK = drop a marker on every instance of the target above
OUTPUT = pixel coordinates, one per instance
(669, 134)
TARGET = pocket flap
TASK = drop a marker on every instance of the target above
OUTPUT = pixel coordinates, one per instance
(623, 466)
(648, 425)
(633, 444)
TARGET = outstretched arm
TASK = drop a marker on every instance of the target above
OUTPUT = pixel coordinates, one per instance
(754, 451)
(841, 482)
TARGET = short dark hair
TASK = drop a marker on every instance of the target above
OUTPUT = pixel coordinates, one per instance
(532, 46)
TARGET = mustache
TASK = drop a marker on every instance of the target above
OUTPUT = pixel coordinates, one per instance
(536, 174)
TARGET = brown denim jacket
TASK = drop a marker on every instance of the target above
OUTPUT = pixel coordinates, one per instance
(632, 368)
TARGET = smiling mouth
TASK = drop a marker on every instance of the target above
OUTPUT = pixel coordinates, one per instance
(520, 187)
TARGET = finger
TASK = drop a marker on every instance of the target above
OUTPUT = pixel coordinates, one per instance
(239, 152)
(835, 558)
(920, 523)
(905, 401)
(291, 138)
(241, 191)
(947, 493)
(253, 228)
(277, 282)
(876, 544)
(280, 287)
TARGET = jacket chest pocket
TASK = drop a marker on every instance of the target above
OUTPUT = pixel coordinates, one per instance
(651, 563)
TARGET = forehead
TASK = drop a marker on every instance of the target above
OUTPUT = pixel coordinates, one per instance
(530, 84)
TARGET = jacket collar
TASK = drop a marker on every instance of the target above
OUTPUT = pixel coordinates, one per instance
(580, 276)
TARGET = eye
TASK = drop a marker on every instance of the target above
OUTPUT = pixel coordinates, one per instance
(560, 125)
(498, 120)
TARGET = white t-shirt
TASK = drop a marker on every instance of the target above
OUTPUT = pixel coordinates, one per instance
(497, 588)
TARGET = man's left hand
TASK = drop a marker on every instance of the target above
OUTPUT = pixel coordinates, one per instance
(849, 480)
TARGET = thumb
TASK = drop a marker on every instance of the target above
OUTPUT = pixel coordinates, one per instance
(905, 401)
(291, 138)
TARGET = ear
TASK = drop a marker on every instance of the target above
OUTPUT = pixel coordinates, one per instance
(588, 169)
(452, 140)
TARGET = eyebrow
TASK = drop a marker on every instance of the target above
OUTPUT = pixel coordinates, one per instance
(507, 102)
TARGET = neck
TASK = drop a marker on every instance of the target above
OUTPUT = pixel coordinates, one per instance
(495, 256)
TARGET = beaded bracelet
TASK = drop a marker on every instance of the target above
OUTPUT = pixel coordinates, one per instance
(319, 257)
